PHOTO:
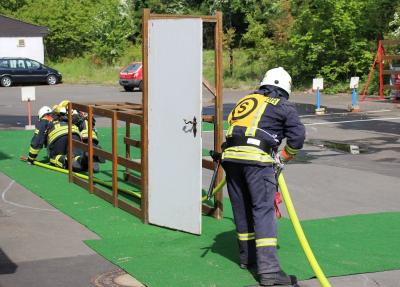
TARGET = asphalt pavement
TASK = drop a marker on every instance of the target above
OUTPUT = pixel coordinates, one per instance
(39, 246)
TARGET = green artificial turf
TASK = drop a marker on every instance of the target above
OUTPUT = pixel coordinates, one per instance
(162, 257)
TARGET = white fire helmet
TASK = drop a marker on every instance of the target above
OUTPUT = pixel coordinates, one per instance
(44, 111)
(278, 77)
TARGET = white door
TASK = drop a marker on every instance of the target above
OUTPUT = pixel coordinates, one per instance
(174, 96)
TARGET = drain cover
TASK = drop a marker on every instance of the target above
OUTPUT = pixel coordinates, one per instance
(116, 278)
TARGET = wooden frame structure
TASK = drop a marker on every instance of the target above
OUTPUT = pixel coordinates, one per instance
(380, 58)
(137, 114)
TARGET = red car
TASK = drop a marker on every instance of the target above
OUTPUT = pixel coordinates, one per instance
(130, 77)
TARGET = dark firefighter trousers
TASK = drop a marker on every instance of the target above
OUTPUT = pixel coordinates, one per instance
(252, 191)
(58, 152)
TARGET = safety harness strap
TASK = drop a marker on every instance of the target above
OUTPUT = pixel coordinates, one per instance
(248, 141)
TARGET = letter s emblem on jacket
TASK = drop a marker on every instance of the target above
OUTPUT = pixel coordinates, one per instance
(244, 108)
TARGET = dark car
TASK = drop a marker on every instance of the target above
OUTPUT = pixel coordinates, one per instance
(130, 77)
(23, 70)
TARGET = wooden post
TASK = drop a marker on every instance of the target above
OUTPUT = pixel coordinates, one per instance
(218, 122)
(144, 126)
(90, 148)
(127, 146)
(114, 159)
(70, 147)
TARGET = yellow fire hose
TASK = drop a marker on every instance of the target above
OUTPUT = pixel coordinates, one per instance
(300, 233)
(219, 186)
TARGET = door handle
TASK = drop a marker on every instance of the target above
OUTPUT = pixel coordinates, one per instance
(194, 125)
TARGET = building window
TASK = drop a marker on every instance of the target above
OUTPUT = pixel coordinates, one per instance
(21, 43)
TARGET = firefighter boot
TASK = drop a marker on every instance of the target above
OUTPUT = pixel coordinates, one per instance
(84, 161)
(76, 165)
(279, 278)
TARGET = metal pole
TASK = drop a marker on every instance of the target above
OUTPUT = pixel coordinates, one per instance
(318, 99)
(354, 98)
(29, 112)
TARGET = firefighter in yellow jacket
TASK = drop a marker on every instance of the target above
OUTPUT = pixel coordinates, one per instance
(80, 119)
(257, 125)
(52, 132)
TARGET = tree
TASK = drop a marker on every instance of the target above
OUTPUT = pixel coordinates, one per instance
(326, 40)
(69, 23)
(111, 26)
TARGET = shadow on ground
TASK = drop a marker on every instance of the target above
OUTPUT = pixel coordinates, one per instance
(6, 265)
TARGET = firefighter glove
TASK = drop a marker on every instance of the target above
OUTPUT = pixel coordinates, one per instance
(282, 157)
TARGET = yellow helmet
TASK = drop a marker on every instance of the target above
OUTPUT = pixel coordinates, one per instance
(59, 110)
(63, 104)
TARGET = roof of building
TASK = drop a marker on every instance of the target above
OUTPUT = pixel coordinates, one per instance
(10, 27)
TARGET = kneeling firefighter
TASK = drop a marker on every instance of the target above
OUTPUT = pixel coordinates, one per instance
(257, 125)
(80, 119)
(52, 132)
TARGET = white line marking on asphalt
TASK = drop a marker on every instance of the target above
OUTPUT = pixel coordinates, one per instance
(352, 121)
(3, 197)
(345, 113)
(333, 123)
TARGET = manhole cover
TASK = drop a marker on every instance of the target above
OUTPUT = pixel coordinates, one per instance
(116, 278)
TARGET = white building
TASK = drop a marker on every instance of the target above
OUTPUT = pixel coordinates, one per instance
(21, 39)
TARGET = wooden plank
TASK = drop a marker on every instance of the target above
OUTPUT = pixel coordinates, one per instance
(136, 119)
(70, 174)
(390, 72)
(102, 112)
(218, 124)
(206, 18)
(209, 87)
(80, 145)
(127, 145)
(130, 111)
(134, 104)
(132, 179)
(90, 148)
(114, 159)
(131, 142)
(118, 106)
(392, 87)
(79, 107)
(102, 153)
(80, 182)
(103, 194)
(129, 208)
(144, 128)
(208, 164)
(129, 163)
(99, 104)
(208, 118)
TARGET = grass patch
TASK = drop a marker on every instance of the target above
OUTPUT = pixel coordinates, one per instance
(244, 74)
(85, 70)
